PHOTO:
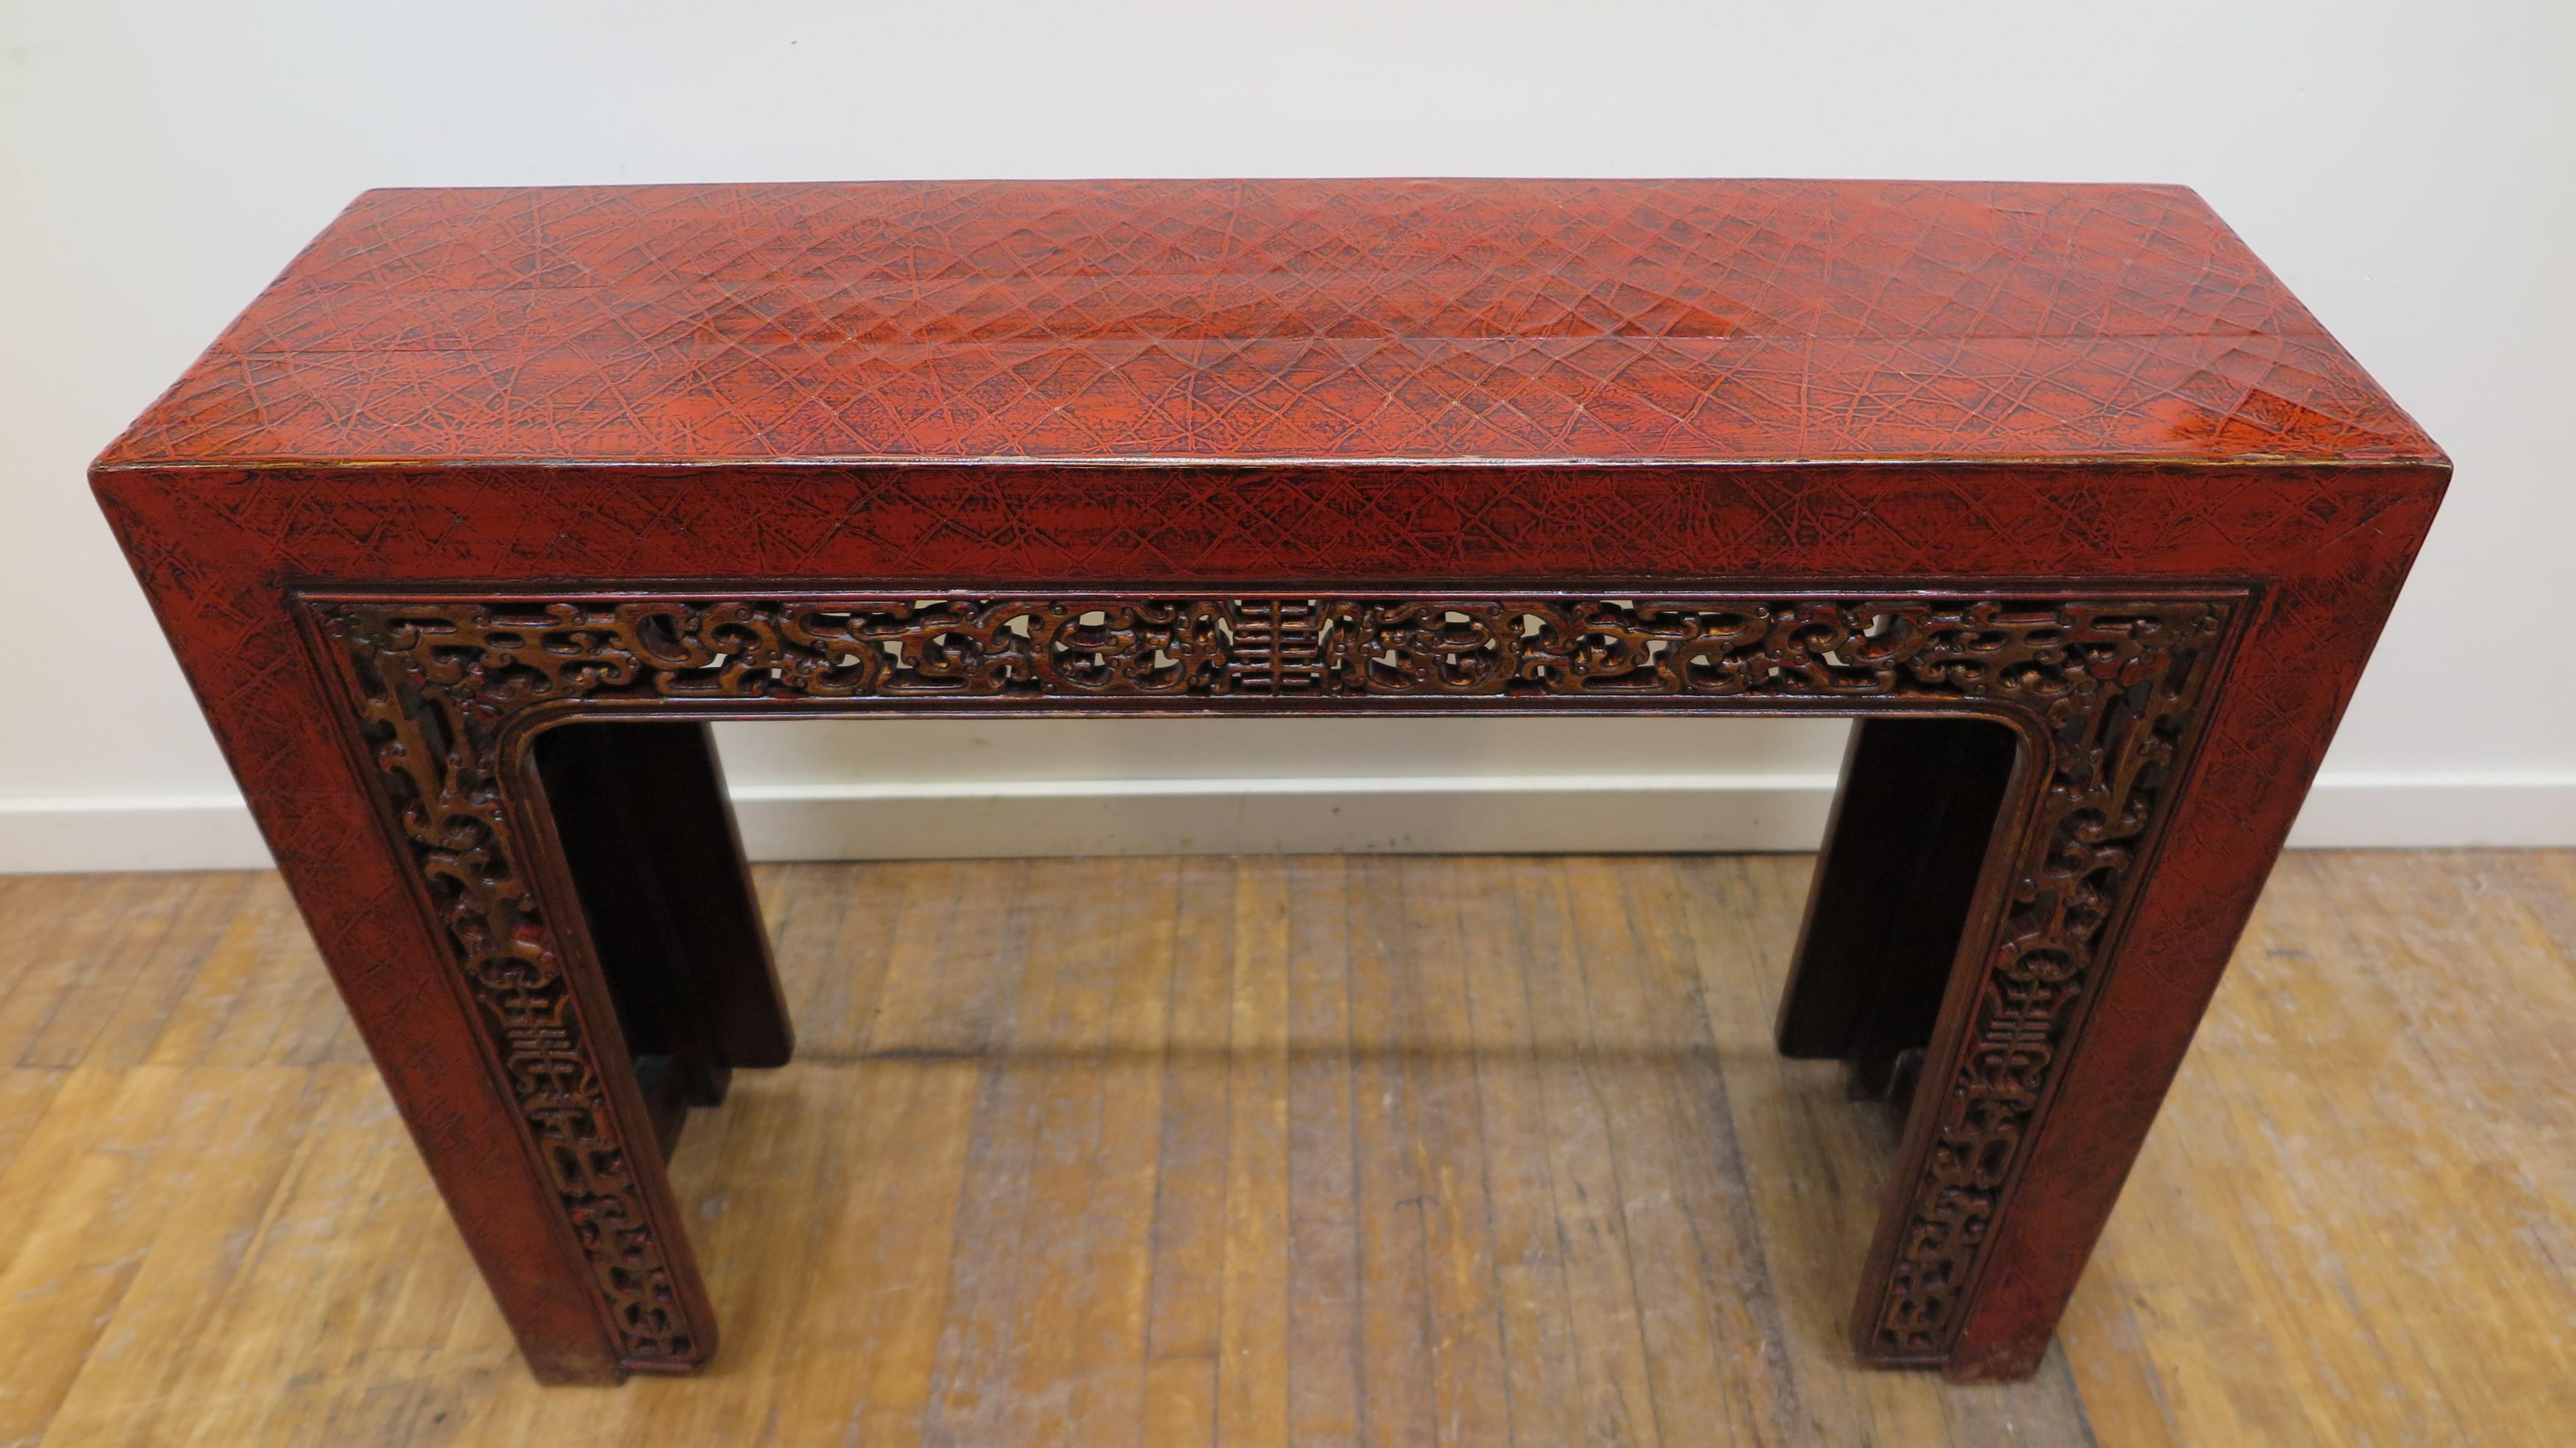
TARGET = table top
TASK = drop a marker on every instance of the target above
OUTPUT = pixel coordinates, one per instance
(1381, 321)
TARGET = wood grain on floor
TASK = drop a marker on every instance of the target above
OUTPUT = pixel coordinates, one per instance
(1370, 1151)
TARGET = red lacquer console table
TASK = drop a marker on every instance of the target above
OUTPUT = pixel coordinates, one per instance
(2056, 487)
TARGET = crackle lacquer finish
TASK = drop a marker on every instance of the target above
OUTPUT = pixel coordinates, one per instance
(2063, 459)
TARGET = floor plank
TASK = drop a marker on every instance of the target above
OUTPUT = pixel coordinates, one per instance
(1370, 1151)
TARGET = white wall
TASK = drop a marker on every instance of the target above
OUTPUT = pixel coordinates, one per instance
(2410, 168)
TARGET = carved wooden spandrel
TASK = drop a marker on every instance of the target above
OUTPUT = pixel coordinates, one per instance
(2103, 690)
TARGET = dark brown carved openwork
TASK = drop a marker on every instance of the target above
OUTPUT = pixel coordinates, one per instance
(2108, 686)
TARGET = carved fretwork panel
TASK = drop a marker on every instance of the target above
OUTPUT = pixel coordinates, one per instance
(2109, 688)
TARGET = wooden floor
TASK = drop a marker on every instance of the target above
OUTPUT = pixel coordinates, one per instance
(1377, 1151)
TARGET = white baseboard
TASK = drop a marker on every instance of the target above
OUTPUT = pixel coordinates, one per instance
(1416, 815)
(1527, 814)
(2437, 811)
(148, 832)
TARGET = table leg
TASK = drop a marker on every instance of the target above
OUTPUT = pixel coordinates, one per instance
(627, 898)
(1910, 827)
(649, 839)
(2069, 962)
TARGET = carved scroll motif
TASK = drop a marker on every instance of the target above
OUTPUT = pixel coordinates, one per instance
(2110, 686)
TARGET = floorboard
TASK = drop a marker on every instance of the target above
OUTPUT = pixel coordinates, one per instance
(1373, 1151)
